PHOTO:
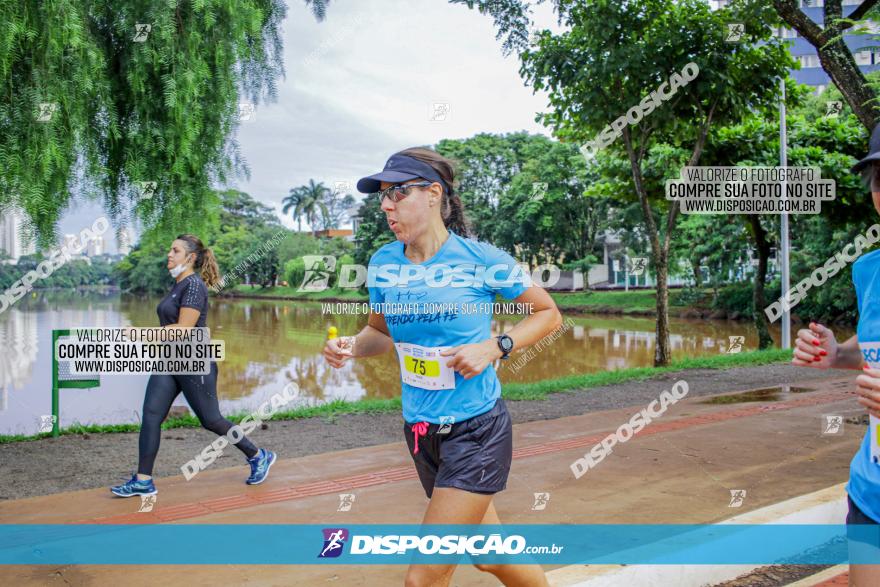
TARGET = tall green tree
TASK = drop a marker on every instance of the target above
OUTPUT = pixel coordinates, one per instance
(486, 165)
(832, 144)
(245, 235)
(373, 231)
(99, 96)
(546, 214)
(247, 240)
(239, 209)
(600, 62)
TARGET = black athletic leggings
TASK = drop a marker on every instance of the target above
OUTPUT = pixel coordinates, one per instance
(201, 394)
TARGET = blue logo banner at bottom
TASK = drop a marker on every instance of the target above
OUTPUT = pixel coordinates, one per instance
(358, 544)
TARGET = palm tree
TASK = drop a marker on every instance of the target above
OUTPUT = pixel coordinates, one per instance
(293, 201)
(307, 201)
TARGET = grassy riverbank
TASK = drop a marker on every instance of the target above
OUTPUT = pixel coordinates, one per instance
(282, 292)
(512, 391)
(640, 302)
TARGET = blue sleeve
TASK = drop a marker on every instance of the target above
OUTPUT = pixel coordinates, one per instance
(377, 295)
(855, 280)
(503, 275)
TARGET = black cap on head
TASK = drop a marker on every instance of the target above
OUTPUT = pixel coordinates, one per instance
(398, 169)
(873, 151)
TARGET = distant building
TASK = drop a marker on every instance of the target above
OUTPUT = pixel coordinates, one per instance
(348, 227)
(124, 242)
(354, 217)
(11, 235)
(617, 268)
(73, 244)
(334, 232)
(811, 72)
(96, 246)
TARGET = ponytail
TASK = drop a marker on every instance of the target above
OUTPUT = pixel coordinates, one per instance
(453, 214)
(210, 269)
(206, 263)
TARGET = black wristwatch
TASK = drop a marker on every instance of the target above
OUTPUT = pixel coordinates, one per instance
(505, 343)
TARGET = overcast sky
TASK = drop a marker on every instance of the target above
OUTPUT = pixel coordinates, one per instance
(362, 84)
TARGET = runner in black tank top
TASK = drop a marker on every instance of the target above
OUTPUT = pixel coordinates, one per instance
(186, 306)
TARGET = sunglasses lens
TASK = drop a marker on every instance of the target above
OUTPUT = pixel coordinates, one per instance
(394, 194)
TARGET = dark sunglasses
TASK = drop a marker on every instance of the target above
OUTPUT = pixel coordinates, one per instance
(398, 192)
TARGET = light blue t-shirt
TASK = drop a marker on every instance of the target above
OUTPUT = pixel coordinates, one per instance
(864, 475)
(464, 272)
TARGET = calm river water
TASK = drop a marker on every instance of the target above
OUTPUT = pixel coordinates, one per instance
(270, 343)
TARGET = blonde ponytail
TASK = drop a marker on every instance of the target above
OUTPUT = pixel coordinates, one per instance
(210, 269)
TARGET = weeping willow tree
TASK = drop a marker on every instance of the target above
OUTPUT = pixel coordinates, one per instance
(131, 102)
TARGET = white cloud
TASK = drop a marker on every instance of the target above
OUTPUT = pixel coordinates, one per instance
(377, 68)
(361, 86)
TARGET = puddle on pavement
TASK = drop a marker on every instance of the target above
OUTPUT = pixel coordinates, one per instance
(766, 394)
(797, 389)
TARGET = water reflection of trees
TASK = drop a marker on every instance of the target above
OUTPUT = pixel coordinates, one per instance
(19, 344)
(268, 341)
(596, 343)
(20, 330)
(264, 337)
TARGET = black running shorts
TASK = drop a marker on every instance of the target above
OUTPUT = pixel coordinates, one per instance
(864, 543)
(473, 455)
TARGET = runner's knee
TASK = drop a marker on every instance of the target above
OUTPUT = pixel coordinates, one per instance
(416, 580)
(152, 417)
(218, 426)
(487, 568)
(419, 576)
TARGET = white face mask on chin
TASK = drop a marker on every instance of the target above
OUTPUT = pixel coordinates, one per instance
(175, 272)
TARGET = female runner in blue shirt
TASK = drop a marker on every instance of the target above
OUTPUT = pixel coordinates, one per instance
(457, 427)
(817, 347)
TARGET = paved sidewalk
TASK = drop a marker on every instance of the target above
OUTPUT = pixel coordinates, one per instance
(679, 469)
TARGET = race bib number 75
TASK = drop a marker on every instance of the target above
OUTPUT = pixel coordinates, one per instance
(423, 367)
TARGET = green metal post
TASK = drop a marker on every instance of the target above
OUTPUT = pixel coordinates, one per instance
(64, 384)
(56, 417)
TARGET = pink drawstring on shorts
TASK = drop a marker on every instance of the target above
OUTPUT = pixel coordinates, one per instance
(419, 429)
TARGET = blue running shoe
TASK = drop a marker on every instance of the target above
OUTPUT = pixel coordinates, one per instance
(260, 465)
(134, 487)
